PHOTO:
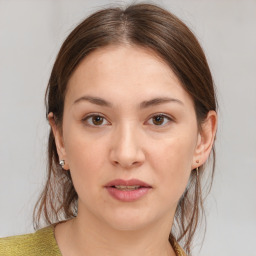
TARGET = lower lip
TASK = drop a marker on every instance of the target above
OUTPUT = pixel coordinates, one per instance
(127, 196)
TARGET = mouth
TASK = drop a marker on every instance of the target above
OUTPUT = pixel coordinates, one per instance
(127, 190)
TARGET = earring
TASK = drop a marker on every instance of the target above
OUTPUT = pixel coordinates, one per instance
(62, 163)
(197, 161)
(197, 171)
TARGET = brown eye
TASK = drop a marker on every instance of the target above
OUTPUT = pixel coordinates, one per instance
(158, 120)
(97, 120)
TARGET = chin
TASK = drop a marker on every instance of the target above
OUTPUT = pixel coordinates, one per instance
(130, 220)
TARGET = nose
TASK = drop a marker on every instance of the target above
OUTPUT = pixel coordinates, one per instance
(126, 149)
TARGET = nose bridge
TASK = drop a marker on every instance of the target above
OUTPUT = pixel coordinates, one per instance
(126, 147)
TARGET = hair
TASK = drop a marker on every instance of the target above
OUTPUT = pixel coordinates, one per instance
(151, 27)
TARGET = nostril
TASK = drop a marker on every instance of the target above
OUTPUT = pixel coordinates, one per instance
(127, 165)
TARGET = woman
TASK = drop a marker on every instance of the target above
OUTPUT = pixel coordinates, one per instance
(132, 110)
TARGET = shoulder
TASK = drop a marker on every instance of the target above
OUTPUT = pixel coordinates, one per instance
(42, 242)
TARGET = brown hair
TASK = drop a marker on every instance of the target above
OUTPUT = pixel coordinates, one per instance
(148, 26)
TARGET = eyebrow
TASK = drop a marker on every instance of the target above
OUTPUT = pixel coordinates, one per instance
(94, 100)
(145, 104)
(158, 101)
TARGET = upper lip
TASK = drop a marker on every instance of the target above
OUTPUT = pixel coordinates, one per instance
(131, 182)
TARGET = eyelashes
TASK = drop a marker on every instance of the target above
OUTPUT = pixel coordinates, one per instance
(98, 120)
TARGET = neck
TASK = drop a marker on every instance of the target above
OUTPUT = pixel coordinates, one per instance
(86, 235)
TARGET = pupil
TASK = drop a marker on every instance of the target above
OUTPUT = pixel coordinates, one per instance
(158, 120)
(97, 120)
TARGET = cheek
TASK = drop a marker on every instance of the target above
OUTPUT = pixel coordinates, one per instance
(85, 157)
(82, 149)
(172, 160)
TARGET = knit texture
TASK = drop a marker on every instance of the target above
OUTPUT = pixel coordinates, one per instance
(41, 243)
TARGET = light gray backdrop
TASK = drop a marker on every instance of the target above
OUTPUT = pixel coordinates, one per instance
(31, 33)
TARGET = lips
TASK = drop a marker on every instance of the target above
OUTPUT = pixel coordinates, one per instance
(127, 190)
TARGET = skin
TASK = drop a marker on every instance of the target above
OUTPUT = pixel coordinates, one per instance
(129, 142)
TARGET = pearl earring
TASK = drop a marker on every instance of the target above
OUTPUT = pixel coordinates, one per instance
(62, 163)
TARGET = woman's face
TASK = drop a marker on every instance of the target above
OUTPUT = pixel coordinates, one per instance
(130, 137)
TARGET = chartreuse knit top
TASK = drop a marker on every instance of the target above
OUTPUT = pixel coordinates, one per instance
(41, 243)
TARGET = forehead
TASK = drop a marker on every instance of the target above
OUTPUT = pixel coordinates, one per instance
(121, 71)
(125, 59)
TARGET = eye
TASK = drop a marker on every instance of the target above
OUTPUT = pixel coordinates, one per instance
(95, 120)
(159, 120)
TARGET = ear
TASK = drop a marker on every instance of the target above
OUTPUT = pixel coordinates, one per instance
(205, 140)
(58, 140)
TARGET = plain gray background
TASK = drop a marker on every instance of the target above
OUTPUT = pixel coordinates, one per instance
(31, 33)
